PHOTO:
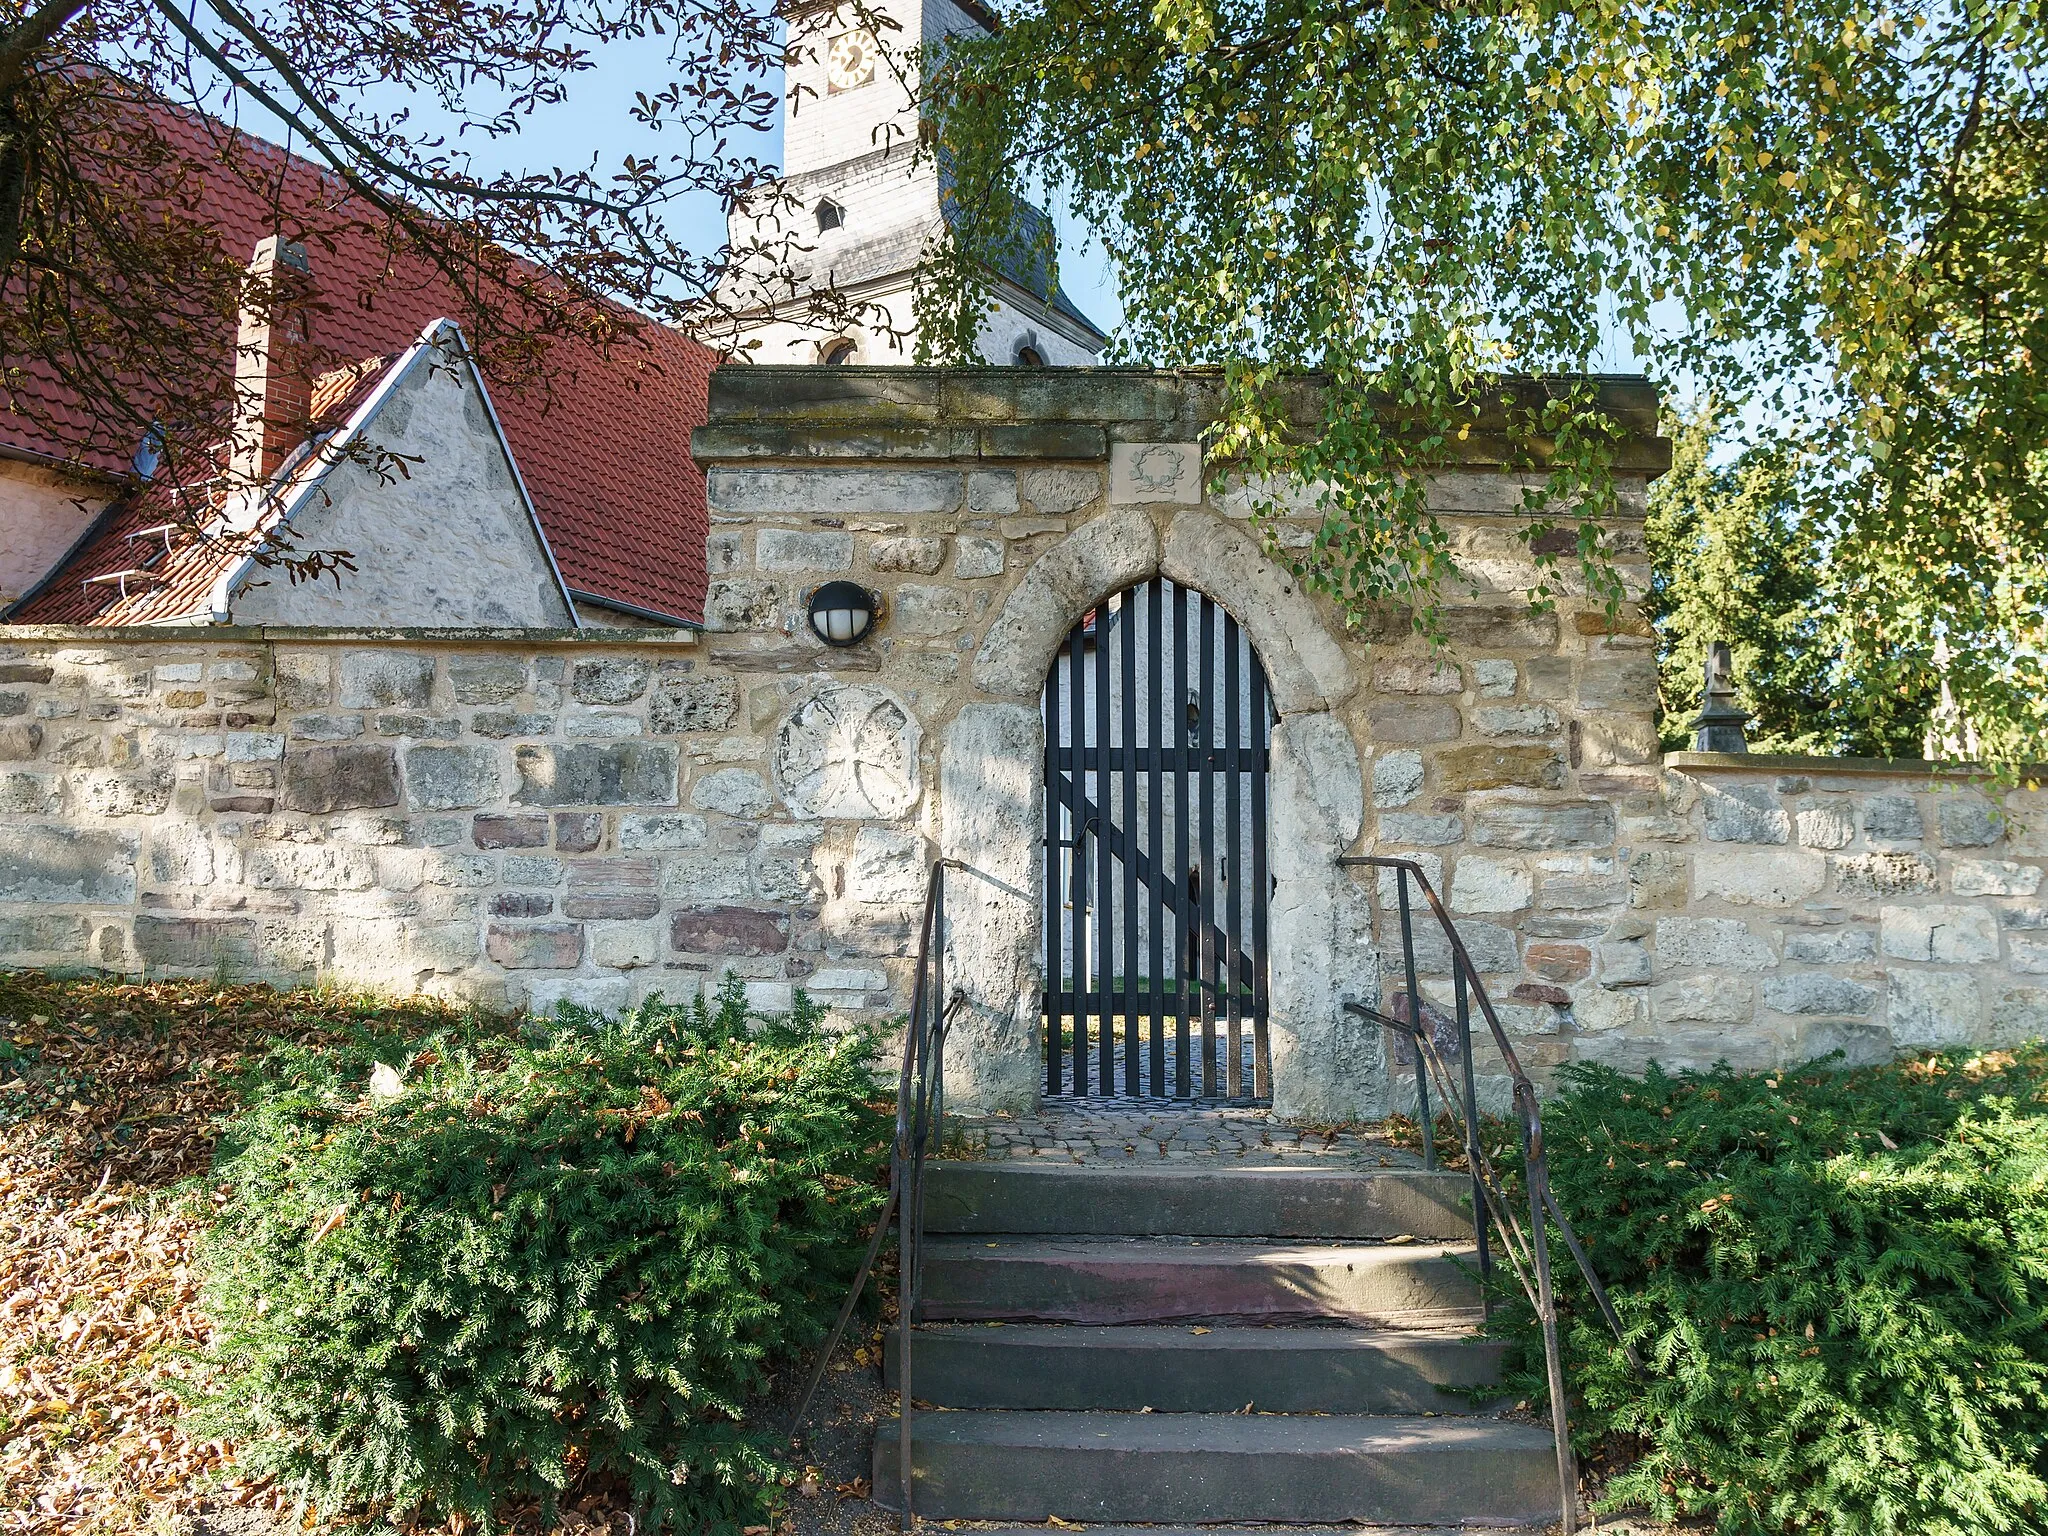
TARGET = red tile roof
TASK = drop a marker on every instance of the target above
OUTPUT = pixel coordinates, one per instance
(161, 538)
(604, 445)
(174, 574)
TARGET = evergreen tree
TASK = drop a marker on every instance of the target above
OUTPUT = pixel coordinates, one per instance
(1738, 555)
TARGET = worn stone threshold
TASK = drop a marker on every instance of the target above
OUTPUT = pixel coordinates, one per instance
(1126, 1132)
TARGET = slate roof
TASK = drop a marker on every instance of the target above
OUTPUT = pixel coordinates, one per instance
(604, 451)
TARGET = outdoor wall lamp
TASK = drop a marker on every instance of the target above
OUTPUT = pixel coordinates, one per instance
(842, 612)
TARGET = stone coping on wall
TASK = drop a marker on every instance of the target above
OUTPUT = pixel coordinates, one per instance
(761, 411)
(1866, 767)
(405, 634)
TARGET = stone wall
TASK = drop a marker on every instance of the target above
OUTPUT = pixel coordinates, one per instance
(513, 817)
(530, 816)
(1781, 908)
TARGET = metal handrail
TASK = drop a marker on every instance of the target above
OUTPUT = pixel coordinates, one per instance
(1528, 1253)
(920, 1106)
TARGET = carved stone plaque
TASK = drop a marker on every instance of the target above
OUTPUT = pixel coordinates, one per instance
(849, 751)
(1168, 472)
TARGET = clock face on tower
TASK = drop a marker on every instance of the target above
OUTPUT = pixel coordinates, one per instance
(850, 61)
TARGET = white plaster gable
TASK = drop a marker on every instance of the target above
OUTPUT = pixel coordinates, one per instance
(43, 513)
(421, 489)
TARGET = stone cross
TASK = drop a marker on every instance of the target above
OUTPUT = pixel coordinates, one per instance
(1718, 726)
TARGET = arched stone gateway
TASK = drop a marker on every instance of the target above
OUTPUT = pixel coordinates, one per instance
(1158, 735)
(992, 809)
(526, 817)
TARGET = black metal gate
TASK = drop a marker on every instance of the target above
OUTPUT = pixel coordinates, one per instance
(1158, 723)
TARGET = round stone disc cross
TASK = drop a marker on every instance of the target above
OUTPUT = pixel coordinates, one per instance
(849, 751)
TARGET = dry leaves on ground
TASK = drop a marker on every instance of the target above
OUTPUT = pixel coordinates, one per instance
(110, 1096)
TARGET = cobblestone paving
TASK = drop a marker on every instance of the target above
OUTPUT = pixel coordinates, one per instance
(1119, 1130)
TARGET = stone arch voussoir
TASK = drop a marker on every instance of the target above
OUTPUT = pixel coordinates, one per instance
(1305, 666)
(1100, 557)
(992, 789)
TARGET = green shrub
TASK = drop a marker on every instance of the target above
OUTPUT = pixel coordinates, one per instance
(538, 1265)
(1839, 1285)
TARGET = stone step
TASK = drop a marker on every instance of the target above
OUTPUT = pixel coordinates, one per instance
(1211, 1201)
(1204, 1467)
(1165, 1280)
(1178, 1370)
(1294, 1528)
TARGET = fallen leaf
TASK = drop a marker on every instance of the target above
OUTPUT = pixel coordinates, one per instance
(86, 1237)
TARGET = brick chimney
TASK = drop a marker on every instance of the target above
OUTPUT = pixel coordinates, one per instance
(273, 366)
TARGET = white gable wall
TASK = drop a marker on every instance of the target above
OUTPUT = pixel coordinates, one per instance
(43, 513)
(450, 543)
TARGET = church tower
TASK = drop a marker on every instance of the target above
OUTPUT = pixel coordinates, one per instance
(867, 207)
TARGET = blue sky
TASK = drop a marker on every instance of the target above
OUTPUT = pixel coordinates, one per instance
(596, 120)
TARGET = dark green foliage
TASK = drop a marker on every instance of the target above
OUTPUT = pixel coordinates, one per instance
(1739, 553)
(539, 1265)
(1831, 212)
(1838, 1282)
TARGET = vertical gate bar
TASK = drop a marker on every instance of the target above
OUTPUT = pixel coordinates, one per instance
(1205, 908)
(935, 1070)
(1233, 861)
(1049, 901)
(1077, 923)
(1105, 828)
(1177, 718)
(1155, 784)
(906, 1260)
(1418, 1023)
(939, 1004)
(1127, 727)
(1262, 885)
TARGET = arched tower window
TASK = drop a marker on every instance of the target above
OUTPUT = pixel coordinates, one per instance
(830, 215)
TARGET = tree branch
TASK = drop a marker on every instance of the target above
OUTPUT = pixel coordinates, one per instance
(33, 32)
